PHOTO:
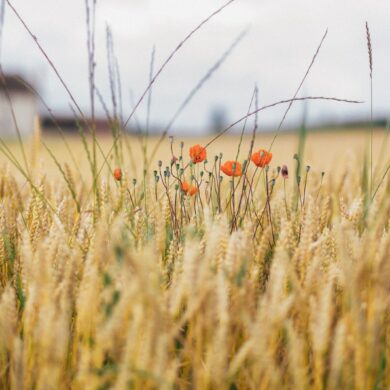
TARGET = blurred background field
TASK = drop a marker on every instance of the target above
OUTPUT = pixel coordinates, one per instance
(325, 149)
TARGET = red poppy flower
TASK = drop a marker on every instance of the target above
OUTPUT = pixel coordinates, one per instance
(231, 168)
(261, 158)
(188, 188)
(198, 154)
(118, 174)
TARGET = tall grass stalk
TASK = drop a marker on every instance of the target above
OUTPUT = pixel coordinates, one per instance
(369, 49)
(195, 90)
(299, 88)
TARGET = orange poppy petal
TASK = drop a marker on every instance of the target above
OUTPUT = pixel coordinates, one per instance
(193, 190)
(231, 168)
(198, 153)
(185, 187)
(261, 158)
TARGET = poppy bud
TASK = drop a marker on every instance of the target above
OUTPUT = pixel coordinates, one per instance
(118, 174)
(284, 172)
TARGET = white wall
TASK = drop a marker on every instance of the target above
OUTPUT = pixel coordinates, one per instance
(25, 107)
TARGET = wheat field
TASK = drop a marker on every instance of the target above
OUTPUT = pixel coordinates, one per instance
(325, 150)
(258, 282)
(210, 262)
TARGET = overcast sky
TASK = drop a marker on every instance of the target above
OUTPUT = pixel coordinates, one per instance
(283, 36)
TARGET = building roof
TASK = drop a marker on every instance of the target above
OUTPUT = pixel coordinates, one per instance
(69, 123)
(14, 83)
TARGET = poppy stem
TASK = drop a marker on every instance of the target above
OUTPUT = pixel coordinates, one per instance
(233, 206)
(304, 189)
(218, 186)
(319, 189)
(285, 199)
(269, 204)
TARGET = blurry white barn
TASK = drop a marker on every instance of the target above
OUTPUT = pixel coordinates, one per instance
(25, 105)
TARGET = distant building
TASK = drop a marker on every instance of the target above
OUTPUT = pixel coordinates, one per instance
(24, 103)
(218, 119)
(69, 124)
